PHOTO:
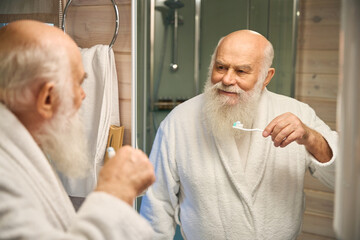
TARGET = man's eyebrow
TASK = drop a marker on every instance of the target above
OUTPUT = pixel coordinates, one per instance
(244, 67)
(219, 62)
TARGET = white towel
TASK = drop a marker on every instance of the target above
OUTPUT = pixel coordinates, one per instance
(99, 110)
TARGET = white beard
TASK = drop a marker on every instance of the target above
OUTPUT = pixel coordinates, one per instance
(221, 112)
(63, 141)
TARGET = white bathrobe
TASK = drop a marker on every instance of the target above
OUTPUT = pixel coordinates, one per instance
(198, 188)
(34, 205)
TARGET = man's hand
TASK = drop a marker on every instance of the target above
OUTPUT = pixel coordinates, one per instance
(288, 128)
(285, 129)
(126, 175)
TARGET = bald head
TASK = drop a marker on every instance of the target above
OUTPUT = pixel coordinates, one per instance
(25, 33)
(250, 42)
(247, 35)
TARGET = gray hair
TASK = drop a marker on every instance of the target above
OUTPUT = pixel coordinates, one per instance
(213, 56)
(268, 55)
(25, 68)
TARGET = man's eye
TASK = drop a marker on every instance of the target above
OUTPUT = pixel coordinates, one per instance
(220, 67)
(240, 71)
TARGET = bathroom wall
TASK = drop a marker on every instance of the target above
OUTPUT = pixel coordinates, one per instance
(317, 85)
(92, 22)
(41, 10)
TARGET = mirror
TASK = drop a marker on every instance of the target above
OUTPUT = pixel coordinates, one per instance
(305, 36)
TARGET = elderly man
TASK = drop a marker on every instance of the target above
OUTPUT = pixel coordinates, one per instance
(40, 92)
(218, 182)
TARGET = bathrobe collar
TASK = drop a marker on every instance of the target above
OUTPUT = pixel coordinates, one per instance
(246, 184)
(24, 152)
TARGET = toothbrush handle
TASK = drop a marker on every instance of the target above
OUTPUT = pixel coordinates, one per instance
(249, 129)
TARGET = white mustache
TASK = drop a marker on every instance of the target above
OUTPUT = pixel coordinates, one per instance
(231, 89)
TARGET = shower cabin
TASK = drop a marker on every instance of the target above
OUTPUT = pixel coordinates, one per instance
(174, 40)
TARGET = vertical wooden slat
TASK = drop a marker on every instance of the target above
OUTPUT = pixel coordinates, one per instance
(317, 84)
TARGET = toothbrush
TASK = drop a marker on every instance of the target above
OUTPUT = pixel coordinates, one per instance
(240, 126)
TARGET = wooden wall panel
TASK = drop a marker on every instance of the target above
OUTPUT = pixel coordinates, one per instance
(91, 25)
(41, 10)
(318, 61)
(317, 85)
(316, 36)
(321, 12)
(318, 224)
(319, 202)
(124, 91)
(123, 67)
(309, 236)
(319, 24)
(314, 184)
(325, 108)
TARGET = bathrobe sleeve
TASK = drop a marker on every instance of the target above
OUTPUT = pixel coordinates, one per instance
(160, 205)
(102, 216)
(325, 172)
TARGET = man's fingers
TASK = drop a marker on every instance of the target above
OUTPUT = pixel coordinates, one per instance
(270, 128)
(292, 137)
(282, 135)
(281, 130)
(284, 129)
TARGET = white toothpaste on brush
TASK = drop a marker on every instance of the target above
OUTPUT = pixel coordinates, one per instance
(111, 152)
(238, 124)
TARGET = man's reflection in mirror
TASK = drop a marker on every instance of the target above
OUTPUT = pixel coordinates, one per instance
(218, 182)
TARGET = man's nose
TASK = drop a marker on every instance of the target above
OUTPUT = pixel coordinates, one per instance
(229, 77)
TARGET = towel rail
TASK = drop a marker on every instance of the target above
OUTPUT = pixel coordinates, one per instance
(116, 21)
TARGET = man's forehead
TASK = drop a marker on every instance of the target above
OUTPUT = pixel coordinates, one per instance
(236, 57)
(240, 55)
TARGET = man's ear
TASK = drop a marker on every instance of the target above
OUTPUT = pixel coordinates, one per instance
(268, 78)
(45, 102)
